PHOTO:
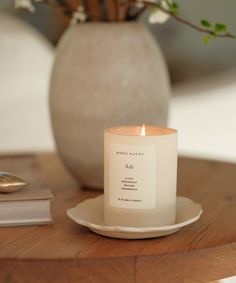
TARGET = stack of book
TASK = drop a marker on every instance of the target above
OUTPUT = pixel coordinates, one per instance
(26, 207)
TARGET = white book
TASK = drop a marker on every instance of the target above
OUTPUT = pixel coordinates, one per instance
(26, 207)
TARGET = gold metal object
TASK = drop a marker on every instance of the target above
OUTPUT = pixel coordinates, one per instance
(10, 183)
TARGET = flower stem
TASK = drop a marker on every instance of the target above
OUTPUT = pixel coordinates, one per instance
(186, 22)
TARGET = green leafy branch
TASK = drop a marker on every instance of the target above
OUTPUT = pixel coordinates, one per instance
(218, 30)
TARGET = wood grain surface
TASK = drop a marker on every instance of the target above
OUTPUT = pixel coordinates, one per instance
(67, 252)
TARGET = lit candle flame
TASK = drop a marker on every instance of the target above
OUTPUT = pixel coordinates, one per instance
(143, 130)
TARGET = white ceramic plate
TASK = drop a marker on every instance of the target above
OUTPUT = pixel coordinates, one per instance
(89, 213)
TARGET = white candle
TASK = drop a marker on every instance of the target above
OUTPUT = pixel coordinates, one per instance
(140, 168)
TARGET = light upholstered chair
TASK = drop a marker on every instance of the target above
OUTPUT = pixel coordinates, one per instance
(205, 115)
(25, 63)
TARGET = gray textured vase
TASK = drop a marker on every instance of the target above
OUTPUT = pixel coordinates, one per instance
(104, 75)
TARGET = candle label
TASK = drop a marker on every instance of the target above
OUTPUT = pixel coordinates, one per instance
(132, 176)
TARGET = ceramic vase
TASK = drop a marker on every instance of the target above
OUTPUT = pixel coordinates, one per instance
(104, 75)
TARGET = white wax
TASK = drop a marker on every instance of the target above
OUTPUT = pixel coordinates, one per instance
(140, 176)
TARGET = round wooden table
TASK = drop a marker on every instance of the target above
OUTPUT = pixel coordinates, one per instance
(67, 252)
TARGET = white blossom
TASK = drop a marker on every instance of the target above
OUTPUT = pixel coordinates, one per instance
(26, 4)
(159, 16)
(78, 15)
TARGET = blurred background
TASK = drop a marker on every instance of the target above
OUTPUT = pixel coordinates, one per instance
(188, 58)
(202, 77)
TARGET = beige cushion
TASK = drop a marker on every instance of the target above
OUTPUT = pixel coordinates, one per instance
(25, 63)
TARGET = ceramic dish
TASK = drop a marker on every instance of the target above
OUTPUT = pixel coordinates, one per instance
(89, 213)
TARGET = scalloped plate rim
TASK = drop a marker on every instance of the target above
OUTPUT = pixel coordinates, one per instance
(120, 229)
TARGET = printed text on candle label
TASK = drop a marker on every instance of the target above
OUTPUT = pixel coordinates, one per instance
(132, 176)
